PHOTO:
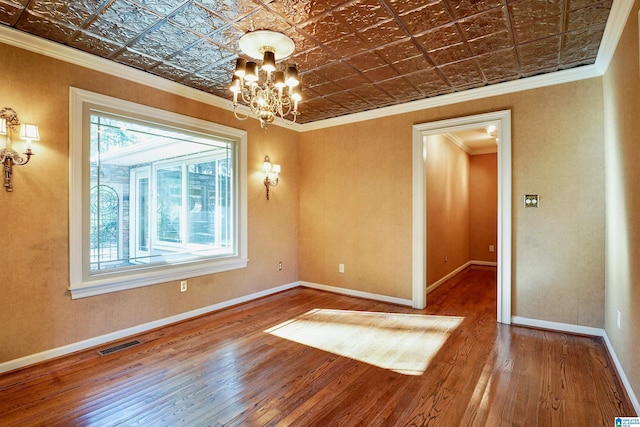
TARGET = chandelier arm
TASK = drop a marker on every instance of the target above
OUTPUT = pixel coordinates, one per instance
(237, 116)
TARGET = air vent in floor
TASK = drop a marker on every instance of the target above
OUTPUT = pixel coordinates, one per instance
(118, 347)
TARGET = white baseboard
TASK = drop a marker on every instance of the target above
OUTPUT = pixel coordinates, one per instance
(117, 335)
(437, 283)
(584, 330)
(622, 374)
(556, 326)
(487, 263)
(359, 294)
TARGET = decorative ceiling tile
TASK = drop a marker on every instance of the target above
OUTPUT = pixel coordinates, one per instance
(400, 88)
(161, 7)
(538, 55)
(534, 29)
(493, 21)
(428, 81)
(130, 15)
(326, 28)
(382, 34)
(9, 13)
(349, 45)
(231, 10)
(413, 64)
(117, 33)
(373, 95)
(367, 61)
(403, 6)
(72, 14)
(227, 37)
(581, 45)
(463, 74)
(44, 27)
(261, 19)
(89, 43)
(381, 73)
(491, 43)
(312, 58)
(350, 101)
(170, 72)
(396, 52)
(499, 66)
(426, 18)
(464, 8)
(153, 47)
(136, 59)
(441, 37)
(596, 14)
(363, 14)
(198, 19)
(449, 54)
(172, 35)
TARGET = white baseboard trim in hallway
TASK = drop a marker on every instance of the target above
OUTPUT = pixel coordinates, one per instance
(584, 330)
(118, 335)
(439, 282)
(358, 294)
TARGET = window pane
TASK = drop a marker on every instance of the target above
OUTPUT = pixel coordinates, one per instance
(172, 192)
(169, 204)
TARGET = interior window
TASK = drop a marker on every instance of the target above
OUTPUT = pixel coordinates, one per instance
(158, 195)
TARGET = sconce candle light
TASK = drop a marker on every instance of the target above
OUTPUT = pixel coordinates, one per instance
(271, 173)
(9, 122)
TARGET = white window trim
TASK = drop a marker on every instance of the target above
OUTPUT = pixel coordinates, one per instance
(81, 284)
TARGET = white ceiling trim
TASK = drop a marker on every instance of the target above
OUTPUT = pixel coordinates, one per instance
(619, 14)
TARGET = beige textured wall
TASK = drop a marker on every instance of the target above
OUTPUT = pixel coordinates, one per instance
(447, 172)
(483, 206)
(355, 201)
(37, 312)
(622, 154)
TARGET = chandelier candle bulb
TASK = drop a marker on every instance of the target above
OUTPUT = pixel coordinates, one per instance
(292, 76)
(240, 67)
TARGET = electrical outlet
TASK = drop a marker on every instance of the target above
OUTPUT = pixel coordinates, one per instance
(340, 268)
(492, 248)
(619, 320)
(446, 259)
(183, 286)
(279, 265)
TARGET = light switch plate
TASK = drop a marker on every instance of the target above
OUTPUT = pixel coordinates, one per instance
(531, 201)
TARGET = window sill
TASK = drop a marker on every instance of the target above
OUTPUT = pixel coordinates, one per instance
(115, 283)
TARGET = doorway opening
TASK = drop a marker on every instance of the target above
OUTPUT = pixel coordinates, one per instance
(502, 122)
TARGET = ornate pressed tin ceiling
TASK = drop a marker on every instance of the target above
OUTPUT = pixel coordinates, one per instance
(353, 55)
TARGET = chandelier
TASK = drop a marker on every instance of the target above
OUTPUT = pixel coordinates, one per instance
(278, 94)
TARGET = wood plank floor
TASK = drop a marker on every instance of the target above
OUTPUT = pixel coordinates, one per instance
(246, 366)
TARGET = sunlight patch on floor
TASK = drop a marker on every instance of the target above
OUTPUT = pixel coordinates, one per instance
(403, 343)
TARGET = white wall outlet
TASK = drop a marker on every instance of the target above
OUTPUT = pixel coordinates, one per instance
(183, 286)
(446, 258)
(340, 268)
(492, 248)
(279, 265)
(619, 320)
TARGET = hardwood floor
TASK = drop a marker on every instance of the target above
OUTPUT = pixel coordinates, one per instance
(246, 366)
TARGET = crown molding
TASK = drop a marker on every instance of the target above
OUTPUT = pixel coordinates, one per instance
(618, 16)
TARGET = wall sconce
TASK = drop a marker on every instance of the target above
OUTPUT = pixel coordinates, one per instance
(8, 156)
(271, 174)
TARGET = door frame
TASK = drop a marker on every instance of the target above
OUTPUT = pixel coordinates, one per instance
(502, 121)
